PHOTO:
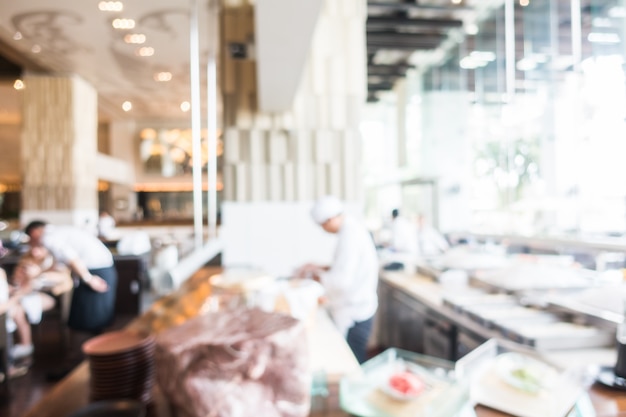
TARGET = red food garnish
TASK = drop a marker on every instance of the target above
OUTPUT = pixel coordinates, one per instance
(406, 383)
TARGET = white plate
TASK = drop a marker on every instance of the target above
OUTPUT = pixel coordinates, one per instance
(525, 372)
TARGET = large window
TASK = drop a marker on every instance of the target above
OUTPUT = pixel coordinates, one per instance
(526, 134)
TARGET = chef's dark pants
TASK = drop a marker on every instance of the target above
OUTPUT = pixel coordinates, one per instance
(358, 336)
(92, 311)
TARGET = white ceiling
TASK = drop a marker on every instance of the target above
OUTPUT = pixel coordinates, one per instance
(69, 36)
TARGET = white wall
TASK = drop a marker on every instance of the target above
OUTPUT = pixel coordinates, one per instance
(275, 237)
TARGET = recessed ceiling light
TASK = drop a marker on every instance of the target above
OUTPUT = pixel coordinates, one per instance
(603, 37)
(185, 106)
(111, 6)
(456, 1)
(35, 49)
(136, 38)
(123, 23)
(471, 29)
(18, 84)
(145, 51)
(127, 106)
(17, 36)
(163, 76)
(524, 3)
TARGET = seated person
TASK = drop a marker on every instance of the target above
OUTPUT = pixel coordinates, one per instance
(16, 320)
(430, 241)
(27, 279)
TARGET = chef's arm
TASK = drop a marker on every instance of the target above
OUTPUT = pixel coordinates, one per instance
(95, 282)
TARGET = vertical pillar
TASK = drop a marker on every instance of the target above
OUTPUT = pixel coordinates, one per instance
(59, 148)
(278, 158)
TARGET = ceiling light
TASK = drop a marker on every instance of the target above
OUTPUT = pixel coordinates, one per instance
(601, 22)
(17, 36)
(123, 23)
(127, 106)
(526, 64)
(185, 106)
(145, 51)
(603, 37)
(111, 6)
(136, 38)
(35, 49)
(617, 11)
(486, 56)
(163, 76)
(456, 1)
(471, 29)
(468, 63)
(18, 84)
(524, 3)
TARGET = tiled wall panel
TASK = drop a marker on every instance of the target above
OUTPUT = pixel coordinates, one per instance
(310, 150)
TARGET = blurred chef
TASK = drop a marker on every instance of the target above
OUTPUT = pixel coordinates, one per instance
(430, 241)
(351, 280)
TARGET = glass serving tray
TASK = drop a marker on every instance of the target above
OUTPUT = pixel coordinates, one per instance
(562, 394)
(367, 394)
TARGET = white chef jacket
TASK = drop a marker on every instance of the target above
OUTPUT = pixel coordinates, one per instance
(352, 280)
(403, 237)
(68, 243)
(430, 241)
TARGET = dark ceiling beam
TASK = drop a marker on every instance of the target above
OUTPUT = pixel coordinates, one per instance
(392, 46)
(387, 70)
(416, 6)
(404, 37)
(384, 86)
(375, 78)
(395, 22)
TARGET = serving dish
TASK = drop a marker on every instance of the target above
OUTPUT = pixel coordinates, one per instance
(368, 394)
(515, 379)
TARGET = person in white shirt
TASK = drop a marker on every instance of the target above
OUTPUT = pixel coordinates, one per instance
(402, 250)
(351, 281)
(106, 226)
(429, 240)
(93, 300)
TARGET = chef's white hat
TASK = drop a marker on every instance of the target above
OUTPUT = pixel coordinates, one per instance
(326, 208)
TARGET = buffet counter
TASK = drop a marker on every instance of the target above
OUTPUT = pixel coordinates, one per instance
(428, 296)
(330, 357)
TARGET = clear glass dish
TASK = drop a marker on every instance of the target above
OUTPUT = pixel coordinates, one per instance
(368, 394)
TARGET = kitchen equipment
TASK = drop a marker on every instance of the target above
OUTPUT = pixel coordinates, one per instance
(521, 276)
(559, 335)
(607, 377)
